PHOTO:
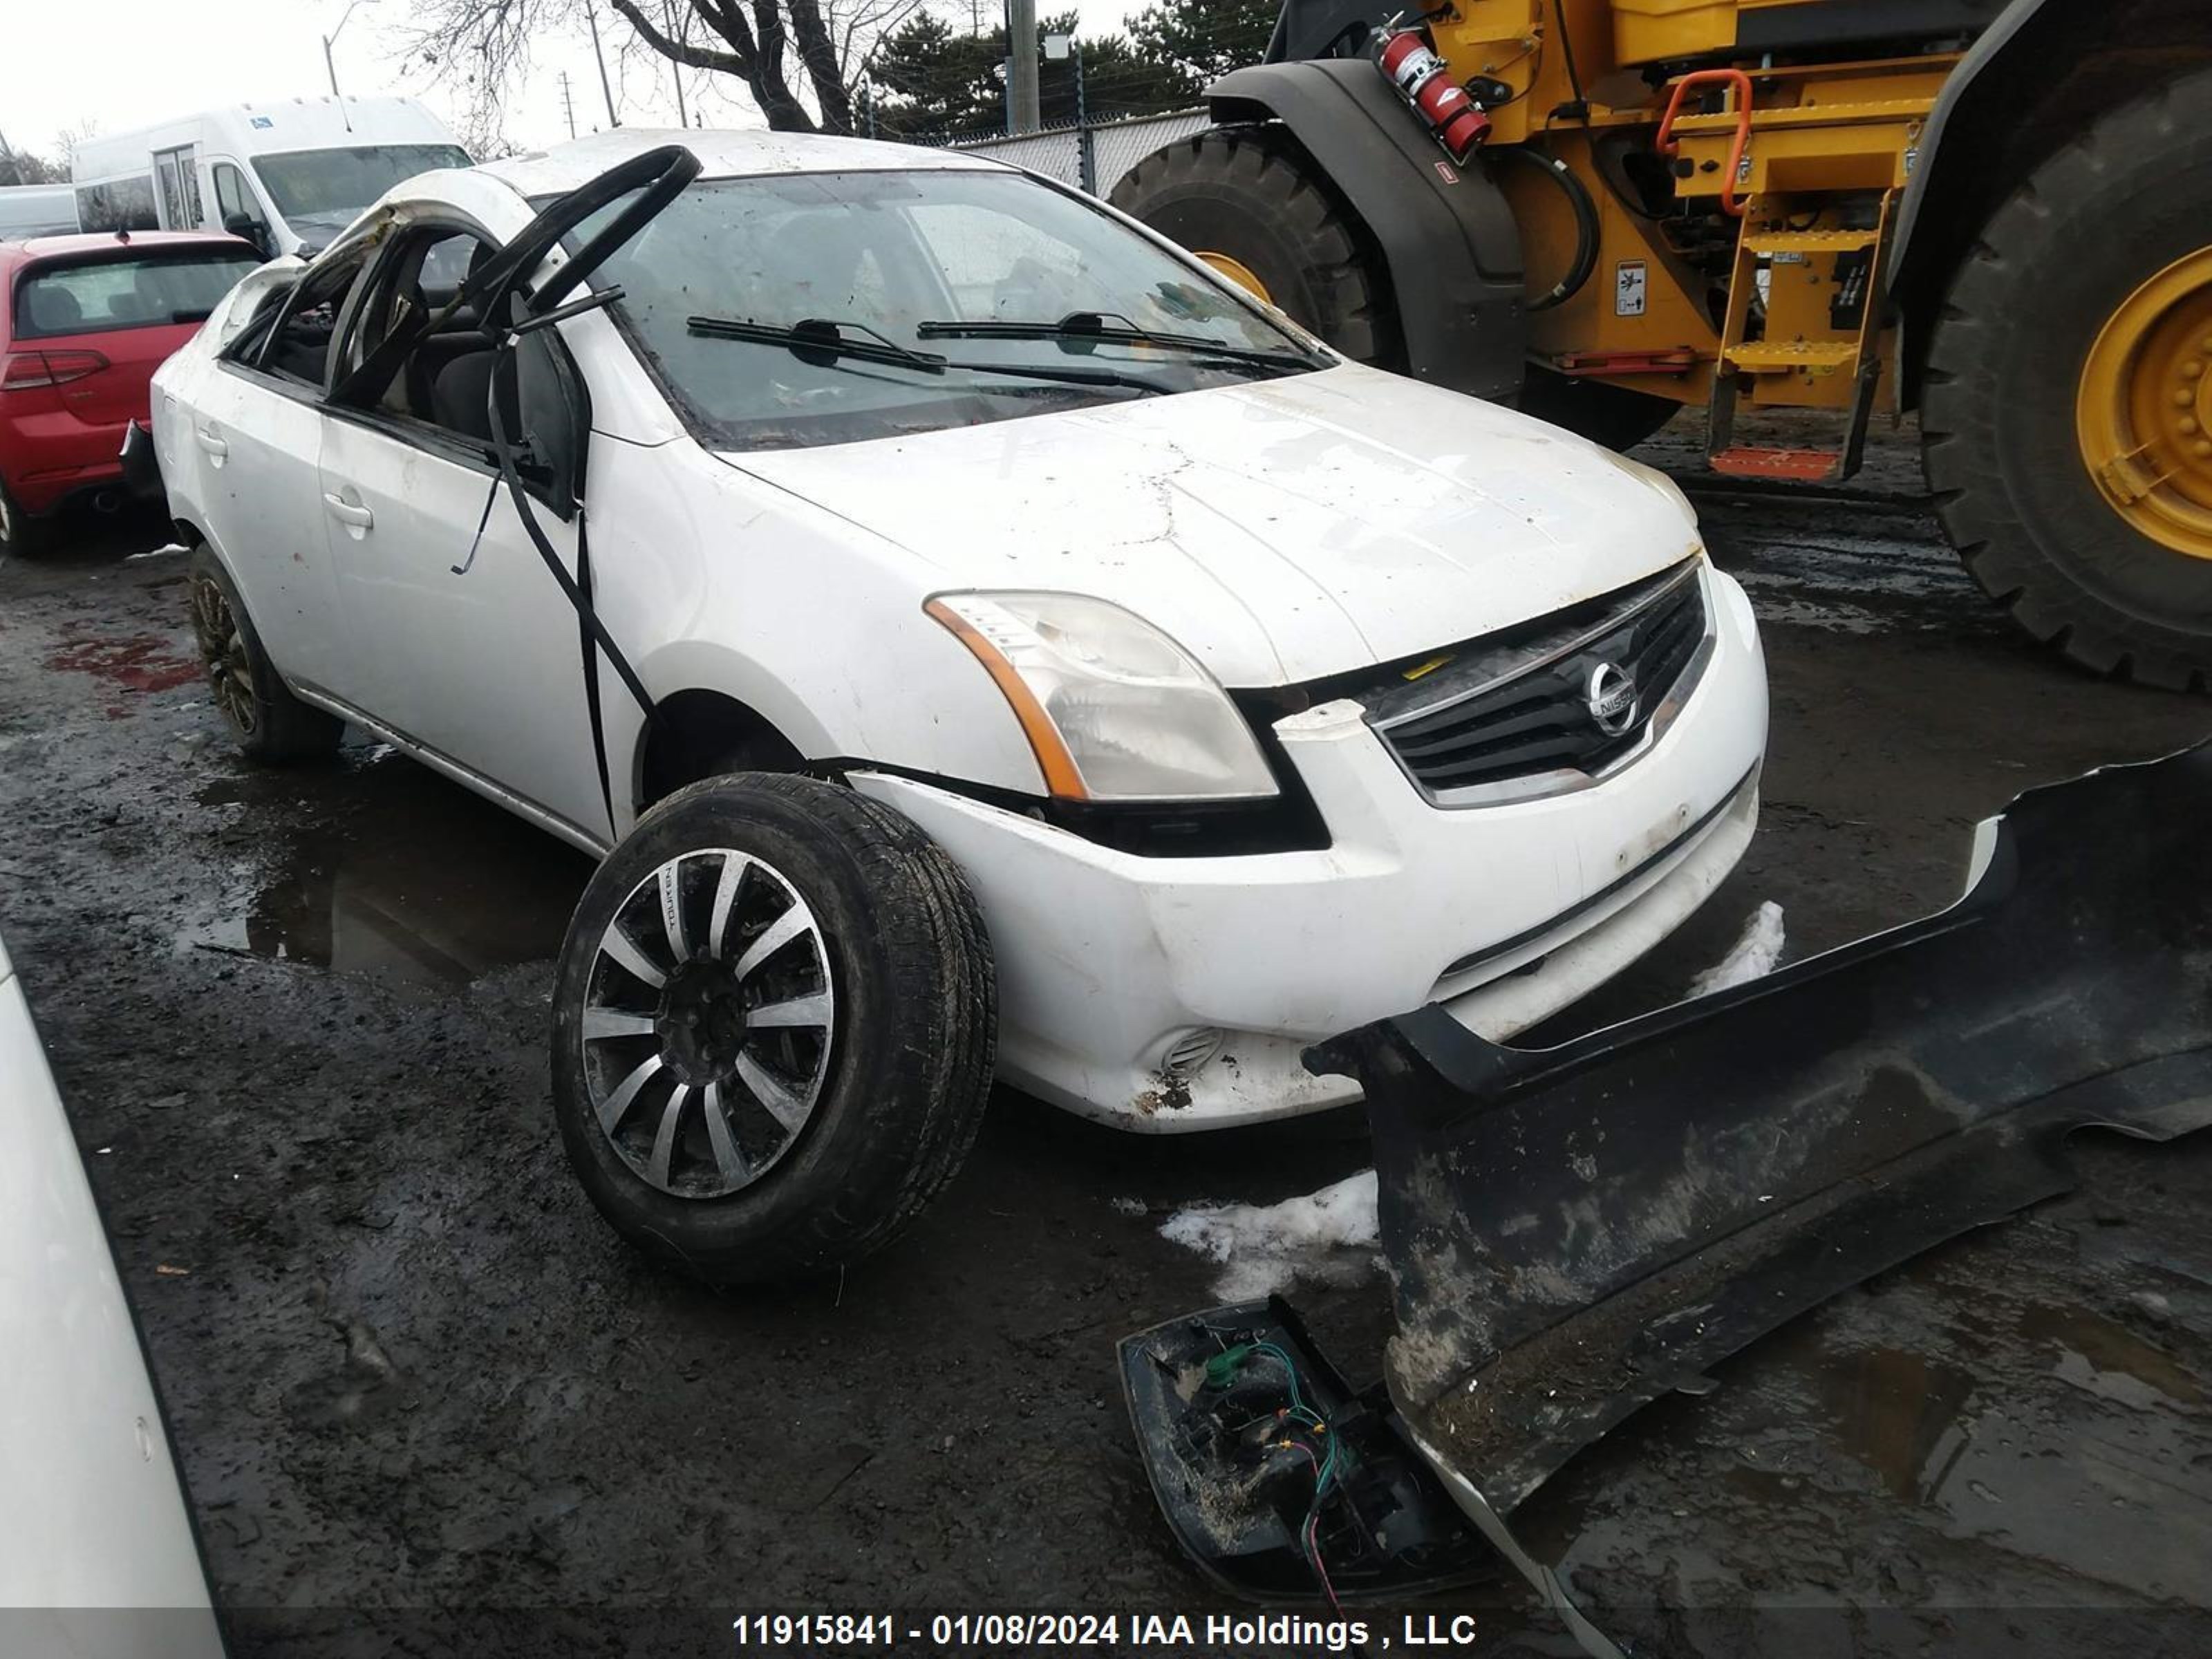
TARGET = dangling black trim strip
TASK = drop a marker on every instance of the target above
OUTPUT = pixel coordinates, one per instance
(477, 541)
(591, 663)
(592, 630)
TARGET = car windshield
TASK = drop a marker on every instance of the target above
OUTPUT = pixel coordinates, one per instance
(154, 291)
(320, 191)
(910, 261)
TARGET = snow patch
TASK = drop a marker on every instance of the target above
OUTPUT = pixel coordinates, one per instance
(1752, 956)
(1126, 1206)
(1327, 1237)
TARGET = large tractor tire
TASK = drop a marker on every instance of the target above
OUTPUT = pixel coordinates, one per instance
(1254, 205)
(1251, 203)
(2067, 414)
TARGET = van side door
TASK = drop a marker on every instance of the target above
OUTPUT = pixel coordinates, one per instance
(177, 188)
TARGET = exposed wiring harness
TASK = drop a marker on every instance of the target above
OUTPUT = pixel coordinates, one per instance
(1221, 1370)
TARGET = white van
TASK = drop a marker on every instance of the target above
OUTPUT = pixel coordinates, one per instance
(288, 176)
(28, 211)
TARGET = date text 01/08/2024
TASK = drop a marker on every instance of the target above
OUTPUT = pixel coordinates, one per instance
(1431, 1632)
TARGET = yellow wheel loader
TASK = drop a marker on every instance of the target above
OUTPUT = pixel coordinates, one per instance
(1999, 214)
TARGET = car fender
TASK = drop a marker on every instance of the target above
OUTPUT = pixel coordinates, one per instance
(708, 664)
(813, 624)
(1446, 233)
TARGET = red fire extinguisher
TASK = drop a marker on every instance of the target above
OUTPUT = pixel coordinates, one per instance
(1425, 82)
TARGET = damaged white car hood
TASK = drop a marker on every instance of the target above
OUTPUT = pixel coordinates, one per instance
(1281, 530)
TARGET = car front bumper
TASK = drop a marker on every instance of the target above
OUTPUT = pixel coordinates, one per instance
(1114, 967)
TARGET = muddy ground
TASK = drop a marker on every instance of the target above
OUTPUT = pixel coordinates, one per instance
(427, 1403)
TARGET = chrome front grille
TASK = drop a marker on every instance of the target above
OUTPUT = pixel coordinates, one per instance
(1555, 705)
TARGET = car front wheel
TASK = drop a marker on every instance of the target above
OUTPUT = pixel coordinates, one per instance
(773, 1028)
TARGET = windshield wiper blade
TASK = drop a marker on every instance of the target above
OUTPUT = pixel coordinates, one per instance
(1086, 326)
(818, 334)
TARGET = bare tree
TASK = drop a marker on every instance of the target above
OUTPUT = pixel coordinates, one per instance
(799, 60)
(20, 167)
(483, 132)
(67, 140)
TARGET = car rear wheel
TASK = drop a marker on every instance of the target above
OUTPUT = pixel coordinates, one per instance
(773, 1028)
(269, 724)
(21, 535)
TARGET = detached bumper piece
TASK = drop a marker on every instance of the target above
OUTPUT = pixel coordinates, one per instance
(1284, 1484)
(1577, 1232)
(142, 467)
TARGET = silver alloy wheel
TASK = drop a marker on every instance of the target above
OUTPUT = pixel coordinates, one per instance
(6, 523)
(222, 651)
(708, 1022)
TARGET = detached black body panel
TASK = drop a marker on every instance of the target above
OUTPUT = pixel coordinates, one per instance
(1575, 1232)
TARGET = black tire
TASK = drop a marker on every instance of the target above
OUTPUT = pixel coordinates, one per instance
(906, 1073)
(1617, 416)
(21, 536)
(2124, 199)
(268, 724)
(1253, 193)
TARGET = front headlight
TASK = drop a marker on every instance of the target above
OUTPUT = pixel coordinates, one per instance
(1116, 710)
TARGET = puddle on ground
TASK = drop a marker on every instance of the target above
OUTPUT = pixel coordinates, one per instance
(379, 867)
(2107, 1359)
(1912, 1425)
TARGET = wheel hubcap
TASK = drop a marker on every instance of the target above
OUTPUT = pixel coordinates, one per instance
(1239, 273)
(222, 652)
(2143, 414)
(709, 1017)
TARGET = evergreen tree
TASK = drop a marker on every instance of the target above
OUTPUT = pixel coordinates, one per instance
(929, 81)
(1201, 40)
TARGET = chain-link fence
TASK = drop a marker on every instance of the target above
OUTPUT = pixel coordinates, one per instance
(1092, 156)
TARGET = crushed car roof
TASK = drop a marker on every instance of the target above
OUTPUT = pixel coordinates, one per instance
(721, 154)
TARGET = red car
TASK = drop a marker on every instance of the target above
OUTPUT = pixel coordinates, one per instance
(84, 322)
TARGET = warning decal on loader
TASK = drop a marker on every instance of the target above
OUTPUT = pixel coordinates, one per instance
(1628, 288)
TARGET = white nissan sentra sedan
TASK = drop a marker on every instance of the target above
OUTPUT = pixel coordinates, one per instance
(976, 637)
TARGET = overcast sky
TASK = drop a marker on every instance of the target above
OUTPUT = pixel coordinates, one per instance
(122, 63)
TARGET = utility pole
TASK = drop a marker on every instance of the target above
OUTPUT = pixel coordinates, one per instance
(606, 87)
(1022, 113)
(568, 103)
(330, 62)
(676, 32)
